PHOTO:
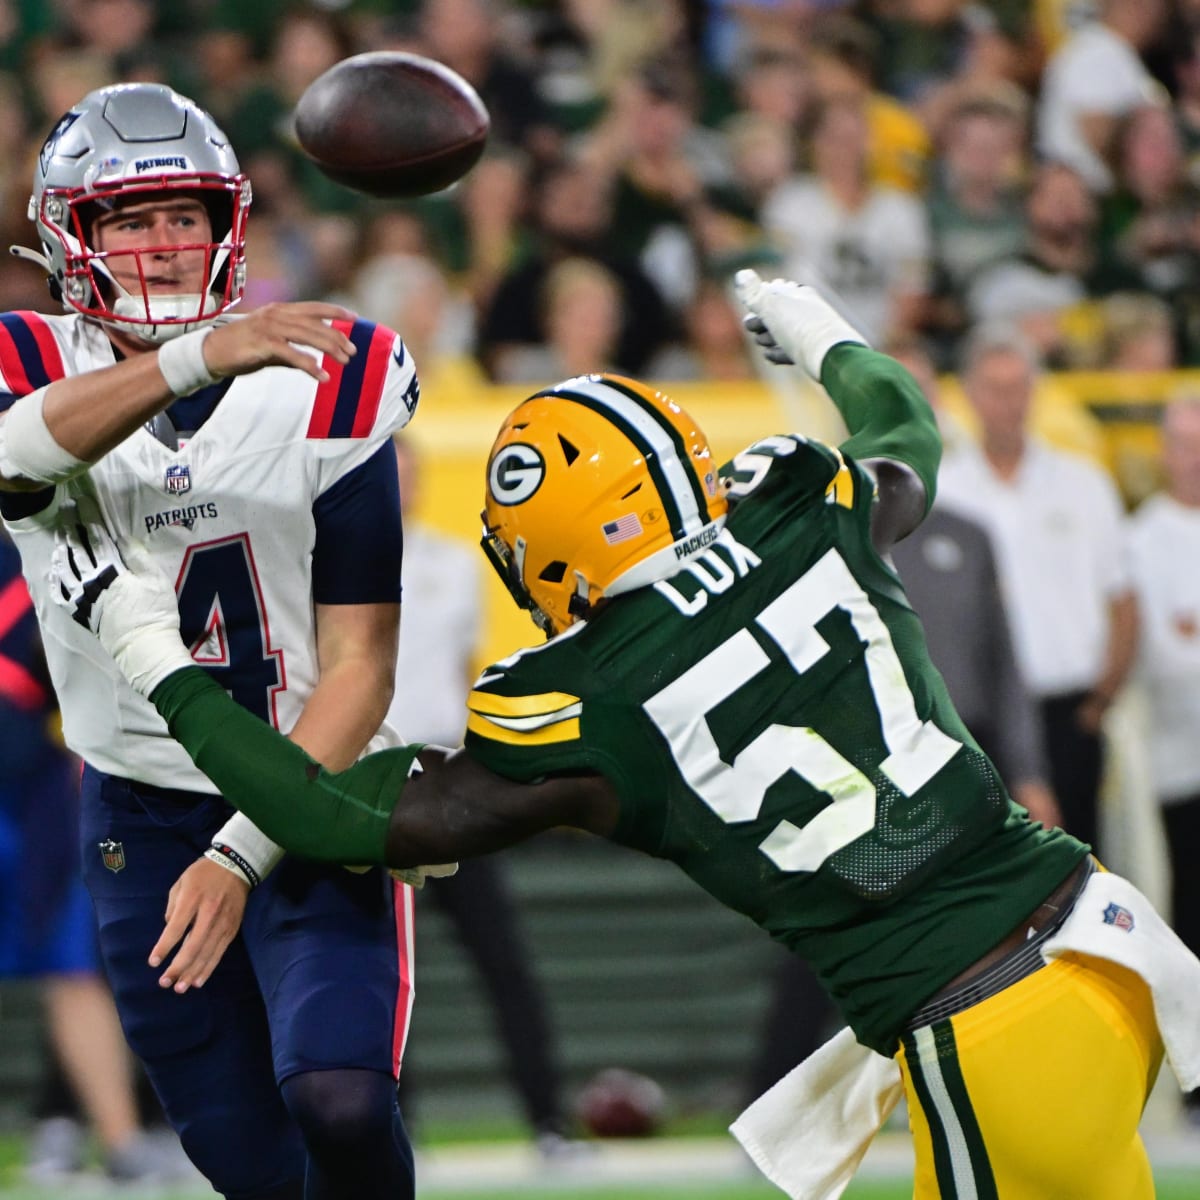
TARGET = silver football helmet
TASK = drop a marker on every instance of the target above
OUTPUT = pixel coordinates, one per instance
(137, 139)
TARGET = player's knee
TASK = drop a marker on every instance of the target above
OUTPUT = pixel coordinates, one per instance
(341, 1109)
(252, 1167)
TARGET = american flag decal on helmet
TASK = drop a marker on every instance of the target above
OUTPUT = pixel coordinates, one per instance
(622, 529)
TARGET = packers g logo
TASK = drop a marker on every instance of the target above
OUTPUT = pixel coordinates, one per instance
(516, 473)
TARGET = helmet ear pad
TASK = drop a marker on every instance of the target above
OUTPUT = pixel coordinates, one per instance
(595, 486)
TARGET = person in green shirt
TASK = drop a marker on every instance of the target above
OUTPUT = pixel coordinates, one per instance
(734, 680)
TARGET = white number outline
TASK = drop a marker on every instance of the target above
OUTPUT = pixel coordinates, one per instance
(917, 750)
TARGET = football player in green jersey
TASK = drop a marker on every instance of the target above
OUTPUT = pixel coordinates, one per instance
(734, 681)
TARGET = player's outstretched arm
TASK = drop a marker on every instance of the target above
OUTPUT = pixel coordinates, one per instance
(57, 431)
(401, 807)
(387, 808)
(892, 429)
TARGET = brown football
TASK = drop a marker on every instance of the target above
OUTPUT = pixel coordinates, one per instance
(392, 124)
(622, 1104)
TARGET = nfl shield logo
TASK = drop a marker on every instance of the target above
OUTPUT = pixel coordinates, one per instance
(178, 479)
(113, 854)
(1121, 917)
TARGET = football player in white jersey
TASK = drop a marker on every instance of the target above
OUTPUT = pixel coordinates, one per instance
(252, 456)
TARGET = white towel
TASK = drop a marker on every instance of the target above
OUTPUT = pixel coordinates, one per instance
(810, 1131)
(1114, 921)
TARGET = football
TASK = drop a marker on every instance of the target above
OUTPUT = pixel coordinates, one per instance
(392, 124)
(621, 1104)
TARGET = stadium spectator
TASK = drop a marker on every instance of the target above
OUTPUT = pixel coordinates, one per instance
(975, 200)
(1051, 289)
(1186, 101)
(948, 565)
(1055, 520)
(305, 41)
(660, 164)
(714, 344)
(1149, 222)
(1139, 332)
(931, 49)
(1093, 82)
(410, 291)
(844, 62)
(572, 212)
(1165, 556)
(465, 35)
(867, 246)
(580, 310)
(775, 82)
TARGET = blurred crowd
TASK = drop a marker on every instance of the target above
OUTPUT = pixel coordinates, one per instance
(931, 163)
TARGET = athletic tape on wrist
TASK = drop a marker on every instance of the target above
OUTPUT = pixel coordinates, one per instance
(240, 837)
(182, 364)
(27, 447)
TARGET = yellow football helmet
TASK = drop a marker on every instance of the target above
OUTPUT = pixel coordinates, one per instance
(596, 486)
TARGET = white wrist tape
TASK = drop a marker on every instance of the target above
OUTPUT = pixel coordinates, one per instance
(241, 841)
(27, 447)
(148, 657)
(182, 364)
(139, 627)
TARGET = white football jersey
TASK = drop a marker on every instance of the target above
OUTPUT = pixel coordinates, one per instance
(228, 518)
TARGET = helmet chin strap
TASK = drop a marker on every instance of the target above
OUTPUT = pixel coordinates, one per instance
(163, 315)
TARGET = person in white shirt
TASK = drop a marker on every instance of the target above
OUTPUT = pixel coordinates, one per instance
(1165, 558)
(866, 248)
(1094, 81)
(1056, 523)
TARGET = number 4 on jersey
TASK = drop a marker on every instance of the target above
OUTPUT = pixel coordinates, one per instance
(224, 624)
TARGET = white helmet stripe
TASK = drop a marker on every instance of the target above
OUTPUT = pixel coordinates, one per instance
(656, 434)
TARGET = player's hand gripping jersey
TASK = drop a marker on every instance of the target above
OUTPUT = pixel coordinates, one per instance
(221, 516)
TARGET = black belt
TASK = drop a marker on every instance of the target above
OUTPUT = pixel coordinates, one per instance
(1014, 957)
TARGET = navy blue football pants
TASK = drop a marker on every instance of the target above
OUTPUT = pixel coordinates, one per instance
(311, 1000)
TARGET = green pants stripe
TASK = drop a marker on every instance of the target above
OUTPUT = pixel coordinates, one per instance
(959, 1154)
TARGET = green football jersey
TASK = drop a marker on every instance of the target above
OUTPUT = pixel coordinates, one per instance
(772, 723)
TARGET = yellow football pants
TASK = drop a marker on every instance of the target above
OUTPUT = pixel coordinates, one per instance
(1036, 1093)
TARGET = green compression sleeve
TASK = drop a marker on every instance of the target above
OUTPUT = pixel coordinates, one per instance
(885, 411)
(340, 818)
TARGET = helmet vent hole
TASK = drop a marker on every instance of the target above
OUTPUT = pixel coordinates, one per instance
(570, 452)
(553, 572)
(635, 488)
